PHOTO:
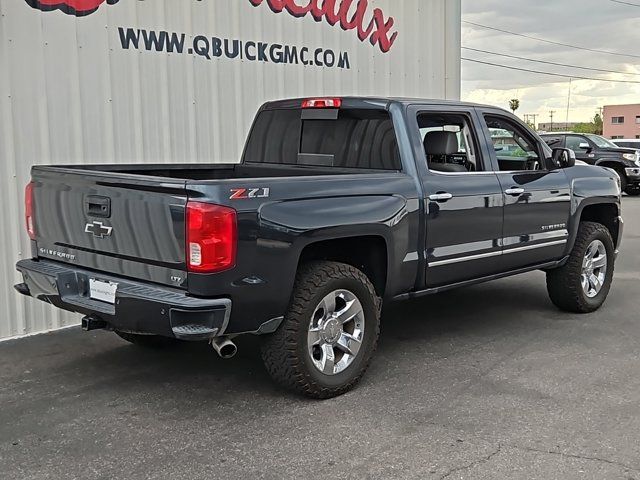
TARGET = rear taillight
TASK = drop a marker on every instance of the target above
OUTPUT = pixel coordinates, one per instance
(212, 236)
(322, 103)
(28, 211)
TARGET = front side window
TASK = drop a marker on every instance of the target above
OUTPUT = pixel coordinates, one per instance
(449, 143)
(576, 143)
(515, 148)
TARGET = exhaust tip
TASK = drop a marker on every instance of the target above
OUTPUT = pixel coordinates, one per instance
(224, 347)
(228, 351)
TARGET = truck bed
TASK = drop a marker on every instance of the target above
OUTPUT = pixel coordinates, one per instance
(226, 171)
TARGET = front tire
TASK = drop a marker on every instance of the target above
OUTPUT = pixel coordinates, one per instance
(623, 179)
(329, 333)
(633, 191)
(583, 283)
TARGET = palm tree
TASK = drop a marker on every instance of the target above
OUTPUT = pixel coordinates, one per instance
(514, 105)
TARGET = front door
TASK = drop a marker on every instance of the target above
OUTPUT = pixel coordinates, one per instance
(537, 201)
(463, 198)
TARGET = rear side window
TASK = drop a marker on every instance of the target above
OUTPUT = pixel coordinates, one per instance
(363, 139)
(553, 142)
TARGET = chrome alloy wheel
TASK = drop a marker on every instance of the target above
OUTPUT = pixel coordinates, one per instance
(594, 269)
(336, 332)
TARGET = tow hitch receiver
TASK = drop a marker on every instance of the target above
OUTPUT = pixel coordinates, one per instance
(91, 322)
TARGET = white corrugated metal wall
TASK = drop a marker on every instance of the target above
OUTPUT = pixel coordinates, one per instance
(70, 93)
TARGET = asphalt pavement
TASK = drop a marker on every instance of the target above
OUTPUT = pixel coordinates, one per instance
(487, 382)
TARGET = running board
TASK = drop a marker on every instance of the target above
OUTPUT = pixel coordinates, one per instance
(432, 291)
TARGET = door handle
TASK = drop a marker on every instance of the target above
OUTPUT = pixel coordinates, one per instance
(440, 197)
(514, 191)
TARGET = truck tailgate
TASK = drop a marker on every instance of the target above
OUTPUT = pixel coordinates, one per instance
(117, 223)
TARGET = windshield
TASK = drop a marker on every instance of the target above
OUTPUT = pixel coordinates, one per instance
(601, 142)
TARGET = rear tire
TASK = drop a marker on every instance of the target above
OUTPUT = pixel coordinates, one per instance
(329, 334)
(583, 283)
(633, 191)
(147, 341)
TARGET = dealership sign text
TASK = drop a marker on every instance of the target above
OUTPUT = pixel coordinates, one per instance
(374, 26)
(369, 24)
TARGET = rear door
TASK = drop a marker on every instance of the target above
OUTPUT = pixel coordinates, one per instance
(463, 198)
(537, 201)
(122, 224)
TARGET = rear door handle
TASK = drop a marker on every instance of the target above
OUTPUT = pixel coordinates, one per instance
(441, 197)
(514, 191)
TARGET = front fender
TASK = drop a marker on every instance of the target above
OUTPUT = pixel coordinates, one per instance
(608, 162)
(587, 191)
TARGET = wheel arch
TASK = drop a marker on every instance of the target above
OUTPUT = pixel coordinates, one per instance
(367, 253)
(606, 213)
(616, 165)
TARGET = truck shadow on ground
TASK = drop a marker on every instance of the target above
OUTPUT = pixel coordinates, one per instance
(457, 318)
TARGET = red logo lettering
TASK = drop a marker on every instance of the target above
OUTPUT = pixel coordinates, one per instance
(79, 8)
(374, 27)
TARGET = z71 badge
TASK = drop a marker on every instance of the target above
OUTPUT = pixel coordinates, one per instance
(245, 193)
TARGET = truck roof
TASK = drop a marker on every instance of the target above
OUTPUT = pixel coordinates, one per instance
(364, 102)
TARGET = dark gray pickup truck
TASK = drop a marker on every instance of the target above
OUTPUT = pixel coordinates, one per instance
(338, 205)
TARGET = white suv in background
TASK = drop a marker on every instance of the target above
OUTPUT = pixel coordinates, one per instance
(628, 143)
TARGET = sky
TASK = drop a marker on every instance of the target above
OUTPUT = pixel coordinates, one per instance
(595, 24)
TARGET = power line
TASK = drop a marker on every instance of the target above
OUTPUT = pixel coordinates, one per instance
(551, 41)
(575, 77)
(626, 3)
(548, 63)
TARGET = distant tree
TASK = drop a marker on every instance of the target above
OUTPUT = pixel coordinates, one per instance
(597, 121)
(514, 105)
(585, 128)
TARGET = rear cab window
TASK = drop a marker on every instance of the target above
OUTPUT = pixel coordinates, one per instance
(341, 138)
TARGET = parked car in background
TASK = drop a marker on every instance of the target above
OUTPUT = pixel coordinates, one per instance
(597, 150)
(628, 143)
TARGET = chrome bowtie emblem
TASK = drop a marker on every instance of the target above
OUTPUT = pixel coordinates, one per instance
(98, 229)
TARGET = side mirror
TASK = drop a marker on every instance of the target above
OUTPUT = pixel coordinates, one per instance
(563, 158)
(584, 146)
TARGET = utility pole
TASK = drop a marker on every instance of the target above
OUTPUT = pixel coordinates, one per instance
(551, 114)
(530, 119)
(569, 99)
